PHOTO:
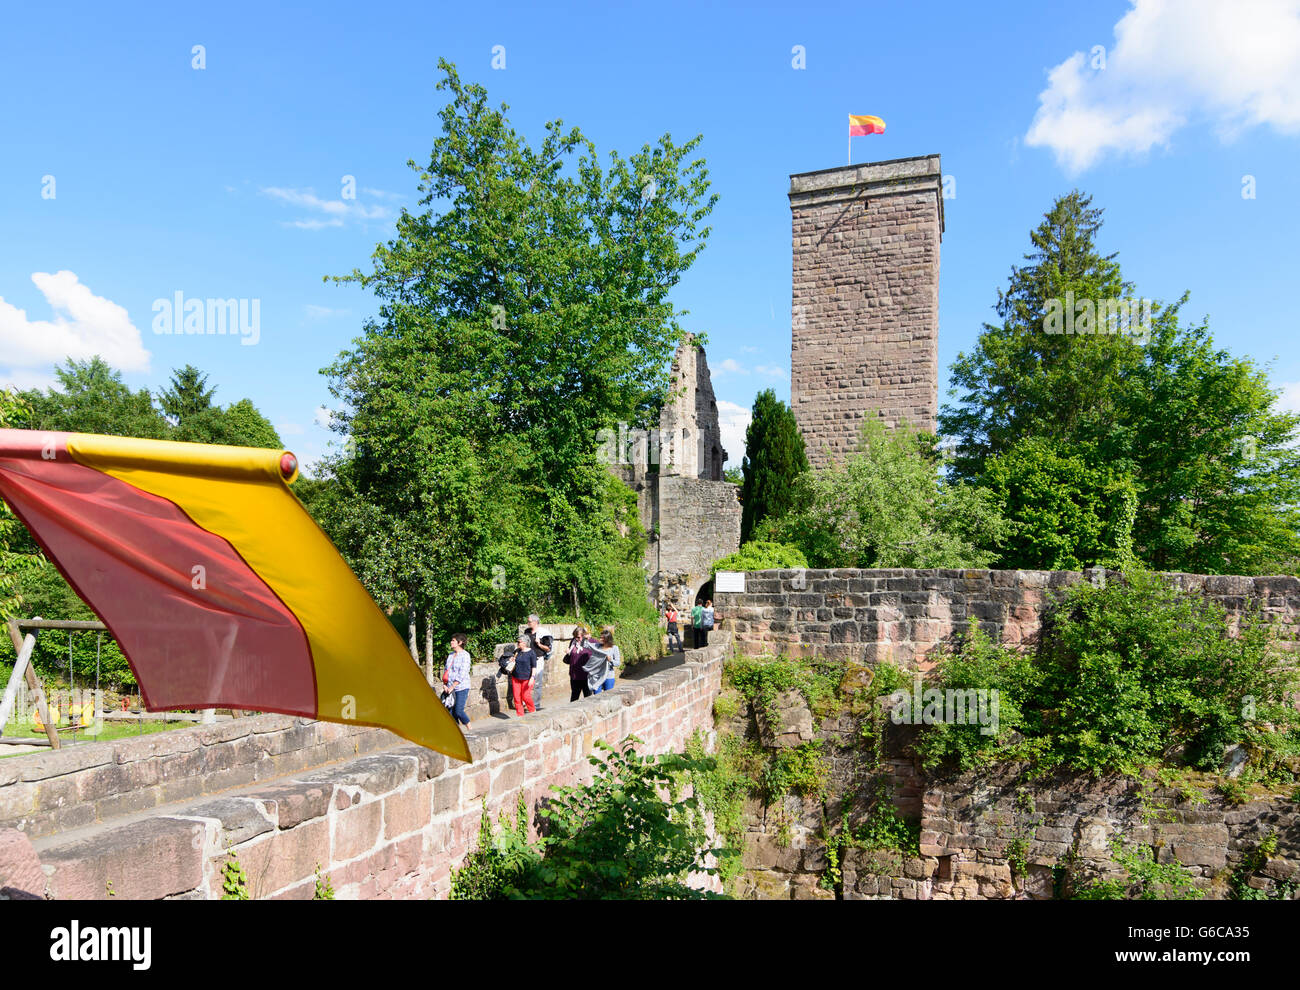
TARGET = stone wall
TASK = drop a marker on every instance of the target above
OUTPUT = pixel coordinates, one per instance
(865, 299)
(699, 522)
(902, 615)
(383, 819)
(1000, 834)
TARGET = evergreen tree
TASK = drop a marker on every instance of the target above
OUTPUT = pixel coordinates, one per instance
(1155, 440)
(774, 459)
(187, 395)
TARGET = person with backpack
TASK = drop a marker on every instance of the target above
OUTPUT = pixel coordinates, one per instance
(697, 630)
(596, 665)
(542, 646)
(456, 676)
(706, 620)
(671, 616)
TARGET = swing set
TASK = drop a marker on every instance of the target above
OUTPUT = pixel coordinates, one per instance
(23, 647)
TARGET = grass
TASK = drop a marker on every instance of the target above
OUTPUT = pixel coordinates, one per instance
(110, 730)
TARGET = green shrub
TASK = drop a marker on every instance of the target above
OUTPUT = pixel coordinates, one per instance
(760, 555)
(1144, 880)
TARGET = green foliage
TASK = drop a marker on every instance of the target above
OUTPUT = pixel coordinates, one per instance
(1126, 674)
(1144, 879)
(91, 398)
(234, 881)
(721, 783)
(794, 770)
(774, 460)
(18, 554)
(186, 395)
(616, 838)
(1234, 791)
(499, 857)
(1252, 863)
(237, 425)
(976, 663)
(324, 890)
(1065, 511)
(522, 310)
(888, 506)
(885, 829)
(759, 556)
(761, 680)
(1219, 494)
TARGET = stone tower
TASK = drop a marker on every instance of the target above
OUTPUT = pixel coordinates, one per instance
(865, 299)
(688, 424)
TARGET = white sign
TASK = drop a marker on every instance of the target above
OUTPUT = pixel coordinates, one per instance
(732, 582)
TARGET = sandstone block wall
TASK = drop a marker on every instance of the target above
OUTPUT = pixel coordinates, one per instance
(699, 521)
(865, 299)
(384, 819)
(902, 615)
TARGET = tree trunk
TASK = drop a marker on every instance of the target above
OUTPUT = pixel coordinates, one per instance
(410, 634)
(577, 609)
(428, 646)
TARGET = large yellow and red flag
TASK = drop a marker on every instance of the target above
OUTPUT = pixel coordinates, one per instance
(861, 124)
(218, 586)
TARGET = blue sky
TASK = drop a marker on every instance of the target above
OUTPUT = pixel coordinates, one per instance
(226, 181)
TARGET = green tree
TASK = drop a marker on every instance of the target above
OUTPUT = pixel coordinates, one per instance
(888, 506)
(92, 398)
(774, 460)
(238, 425)
(522, 310)
(1220, 493)
(187, 395)
(18, 554)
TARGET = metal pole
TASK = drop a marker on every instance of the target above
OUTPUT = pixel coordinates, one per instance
(34, 685)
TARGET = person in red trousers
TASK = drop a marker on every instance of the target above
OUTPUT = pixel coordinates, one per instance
(522, 677)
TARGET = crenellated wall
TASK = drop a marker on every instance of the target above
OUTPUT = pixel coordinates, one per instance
(155, 817)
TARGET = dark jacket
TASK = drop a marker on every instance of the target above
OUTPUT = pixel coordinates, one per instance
(524, 663)
(576, 657)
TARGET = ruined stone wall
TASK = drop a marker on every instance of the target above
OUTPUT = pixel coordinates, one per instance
(865, 300)
(383, 818)
(902, 615)
(699, 521)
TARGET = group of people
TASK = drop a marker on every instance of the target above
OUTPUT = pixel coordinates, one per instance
(592, 663)
(702, 619)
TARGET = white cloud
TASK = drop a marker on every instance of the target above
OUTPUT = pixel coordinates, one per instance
(1289, 400)
(21, 379)
(322, 417)
(323, 312)
(290, 429)
(733, 420)
(729, 366)
(1214, 66)
(773, 371)
(84, 325)
(335, 212)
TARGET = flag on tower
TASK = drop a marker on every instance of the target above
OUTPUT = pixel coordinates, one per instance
(860, 125)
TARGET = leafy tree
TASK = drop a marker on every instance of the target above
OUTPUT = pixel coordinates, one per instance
(524, 309)
(1218, 493)
(1065, 511)
(238, 425)
(887, 506)
(187, 395)
(774, 460)
(18, 554)
(92, 398)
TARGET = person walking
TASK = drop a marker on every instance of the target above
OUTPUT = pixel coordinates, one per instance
(614, 657)
(522, 677)
(706, 621)
(697, 620)
(457, 675)
(577, 656)
(671, 616)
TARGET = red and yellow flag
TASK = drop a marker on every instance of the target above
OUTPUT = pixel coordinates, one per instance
(865, 124)
(218, 586)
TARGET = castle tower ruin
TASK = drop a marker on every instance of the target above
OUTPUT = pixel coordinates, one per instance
(865, 300)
